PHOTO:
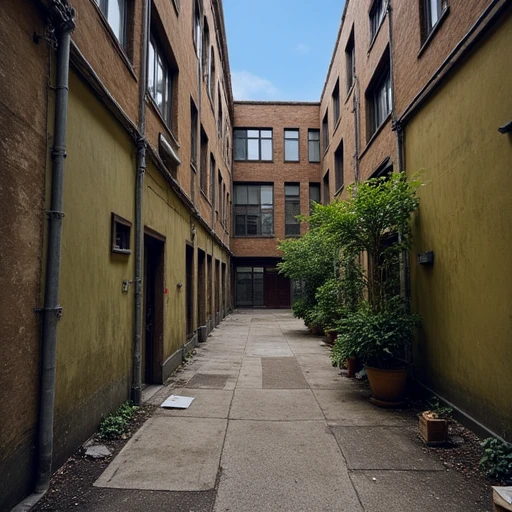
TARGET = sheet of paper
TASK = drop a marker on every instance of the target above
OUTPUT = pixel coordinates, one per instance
(177, 402)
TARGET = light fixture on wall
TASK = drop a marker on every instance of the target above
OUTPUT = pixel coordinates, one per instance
(193, 230)
(426, 258)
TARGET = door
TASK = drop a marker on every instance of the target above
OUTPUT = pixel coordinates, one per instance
(153, 311)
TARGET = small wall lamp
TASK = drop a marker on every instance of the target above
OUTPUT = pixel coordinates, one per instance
(426, 258)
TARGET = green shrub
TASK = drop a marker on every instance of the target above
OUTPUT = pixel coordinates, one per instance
(497, 459)
(115, 424)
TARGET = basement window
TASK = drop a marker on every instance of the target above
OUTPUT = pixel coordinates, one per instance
(120, 235)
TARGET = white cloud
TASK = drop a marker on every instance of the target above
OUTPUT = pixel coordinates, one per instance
(247, 86)
(302, 48)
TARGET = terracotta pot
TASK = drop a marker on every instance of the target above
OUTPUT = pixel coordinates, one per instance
(433, 430)
(352, 366)
(331, 337)
(388, 386)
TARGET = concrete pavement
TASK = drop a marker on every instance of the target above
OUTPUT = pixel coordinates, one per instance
(274, 427)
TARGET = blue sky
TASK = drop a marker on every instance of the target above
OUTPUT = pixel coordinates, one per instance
(280, 49)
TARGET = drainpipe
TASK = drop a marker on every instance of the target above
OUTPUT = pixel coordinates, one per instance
(139, 226)
(355, 110)
(62, 17)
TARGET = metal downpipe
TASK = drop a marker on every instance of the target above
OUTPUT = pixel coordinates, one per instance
(139, 225)
(64, 21)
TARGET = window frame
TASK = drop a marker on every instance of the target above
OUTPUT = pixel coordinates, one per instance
(194, 129)
(380, 88)
(314, 186)
(339, 168)
(158, 52)
(247, 138)
(376, 16)
(292, 139)
(291, 199)
(103, 7)
(336, 104)
(117, 220)
(325, 131)
(263, 208)
(350, 61)
(315, 141)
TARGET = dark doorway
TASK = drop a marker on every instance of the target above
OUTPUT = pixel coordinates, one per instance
(224, 291)
(209, 292)
(217, 288)
(201, 288)
(277, 289)
(189, 288)
(153, 302)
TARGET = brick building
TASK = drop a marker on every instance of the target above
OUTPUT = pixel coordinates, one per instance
(175, 197)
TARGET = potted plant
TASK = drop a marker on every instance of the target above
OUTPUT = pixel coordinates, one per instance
(433, 424)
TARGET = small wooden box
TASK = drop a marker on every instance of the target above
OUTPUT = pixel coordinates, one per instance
(433, 430)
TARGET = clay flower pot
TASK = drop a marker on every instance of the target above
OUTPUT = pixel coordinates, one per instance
(331, 337)
(352, 366)
(388, 386)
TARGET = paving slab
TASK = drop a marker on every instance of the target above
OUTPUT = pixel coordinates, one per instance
(421, 491)
(282, 373)
(208, 381)
(283, 466)
(169, 454)
(383, 448)
(339, 408)
(207, 403)
(275, 404)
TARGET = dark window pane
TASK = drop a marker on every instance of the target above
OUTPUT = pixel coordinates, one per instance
(252, 224)
(267, 223)
(267, 195)
(240, 149)
(240, 194)
(253, 194)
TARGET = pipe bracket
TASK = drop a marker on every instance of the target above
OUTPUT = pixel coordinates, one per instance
(57, 311)
(54, 214)
(56, 151)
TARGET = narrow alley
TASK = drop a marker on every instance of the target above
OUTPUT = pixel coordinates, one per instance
(274, 427)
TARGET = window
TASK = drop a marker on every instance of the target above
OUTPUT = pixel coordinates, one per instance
(432, 12)
(193, 133)
(203, 171)
(291, 145)
(115, 12)
(160, 80)
(325, 131)
(212, 178)
(253, 144)
(379, 100)
(377, 14)
(219, 117)
(120, 235)
(254, 210)
(350, 59)
(205, 50)
(211, 75)
(336, 102)
(314, 195)
(291, 209)
(338, 166)
(225, 203)
(197, 32)
(314, 145)
(326, 190)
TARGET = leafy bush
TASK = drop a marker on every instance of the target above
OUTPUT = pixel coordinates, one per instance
(377, 338)
(497, 459)
(329, 307)
(115, 424)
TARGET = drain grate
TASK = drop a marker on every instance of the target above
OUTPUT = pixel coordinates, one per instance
(207, 381)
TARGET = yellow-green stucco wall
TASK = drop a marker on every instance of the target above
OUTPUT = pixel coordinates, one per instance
(464, 349)
(94, 347)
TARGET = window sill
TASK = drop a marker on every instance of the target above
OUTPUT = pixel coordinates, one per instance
(349, 92)
(433, 31)
(254, 236)
(193, 167)
(122, 251)
(117, 45)
(375, 134)
(255, 161)
(203, 193)
(340, 190)
(291, 161)
(176, 7)
(336, 125)
(161, 117)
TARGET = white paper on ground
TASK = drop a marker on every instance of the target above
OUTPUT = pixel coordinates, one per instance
(505, 493)
(178, 402)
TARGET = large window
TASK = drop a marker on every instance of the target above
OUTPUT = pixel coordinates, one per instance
(379, 100)
(193, 133)
(203, 170)
(196, 29)
(377, 13)
(326, 189)
(249, 286)
(253, 144)
(314, 195)
(325, 131)
(160, 80)
(314, 145)
(338, 166)
(254, 210)
(291, 209)
(115, 12)
(336, 102)
(291, 145)
(432, 12)
(350, 61)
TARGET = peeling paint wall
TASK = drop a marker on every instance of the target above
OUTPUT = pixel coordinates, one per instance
(464, 349)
